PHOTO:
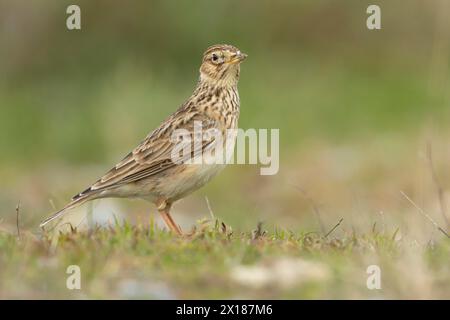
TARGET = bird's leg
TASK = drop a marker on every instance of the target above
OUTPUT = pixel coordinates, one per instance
(171, 223)
(164, 209)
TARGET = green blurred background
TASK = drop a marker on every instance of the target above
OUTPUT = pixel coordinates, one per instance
(354, 107)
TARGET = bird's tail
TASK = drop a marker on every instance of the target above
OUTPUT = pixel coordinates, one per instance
(71, 205)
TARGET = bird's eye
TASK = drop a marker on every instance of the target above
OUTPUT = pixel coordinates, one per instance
(215, 57)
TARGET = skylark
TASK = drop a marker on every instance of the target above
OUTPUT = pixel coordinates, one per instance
(149, 171)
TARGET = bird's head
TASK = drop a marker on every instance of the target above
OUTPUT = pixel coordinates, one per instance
(220, 65)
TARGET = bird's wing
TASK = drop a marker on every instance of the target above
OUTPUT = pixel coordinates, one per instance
(154, 155)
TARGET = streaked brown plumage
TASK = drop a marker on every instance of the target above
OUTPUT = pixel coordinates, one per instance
(148, 171)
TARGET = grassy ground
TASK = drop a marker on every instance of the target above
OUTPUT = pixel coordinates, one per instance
(143, 261)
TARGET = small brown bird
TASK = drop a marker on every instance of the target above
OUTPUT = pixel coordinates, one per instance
(149, 171)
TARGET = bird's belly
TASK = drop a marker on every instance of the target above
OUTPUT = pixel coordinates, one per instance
(190, 178)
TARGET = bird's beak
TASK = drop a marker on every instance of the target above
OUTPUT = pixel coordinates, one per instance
(238, 57)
